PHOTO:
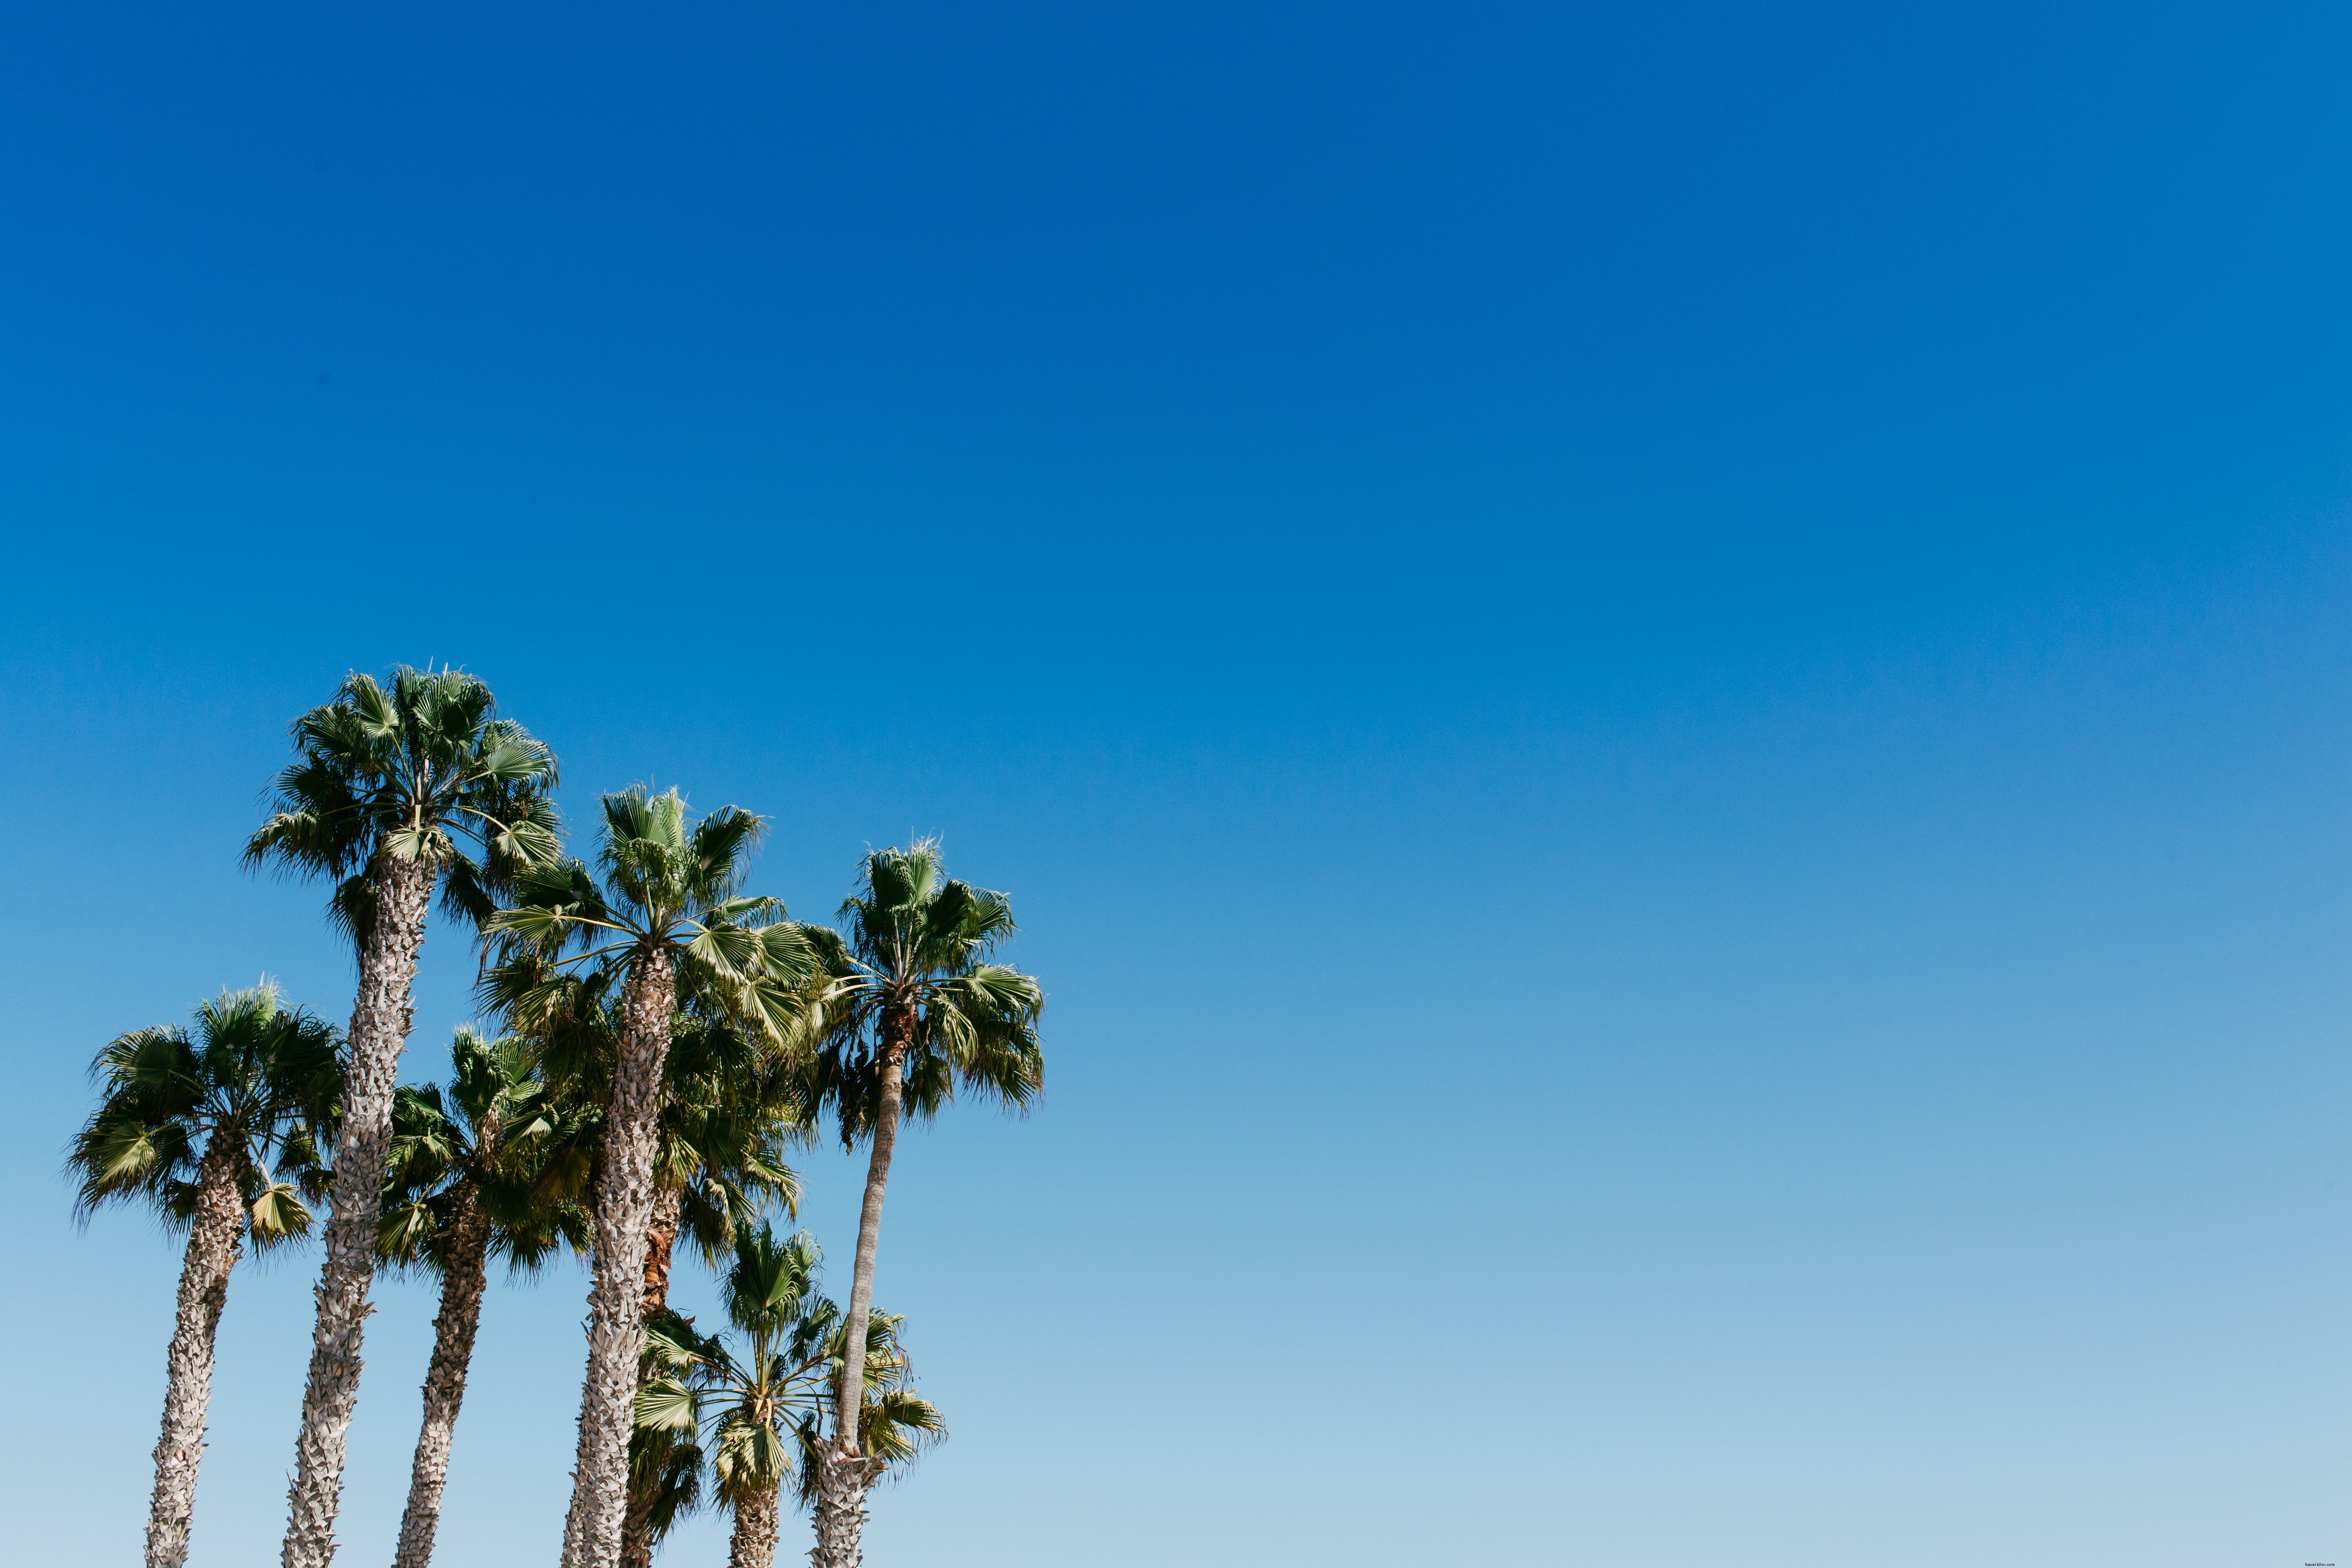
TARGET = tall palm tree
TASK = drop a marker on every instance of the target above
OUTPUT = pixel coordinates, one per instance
(389, 786)
(730, 1107)
(667, 916)
(758, 1406)
(204, 1129)
(467, 1179)
(914, 1012)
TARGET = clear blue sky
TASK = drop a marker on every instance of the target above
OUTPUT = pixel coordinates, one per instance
(1663, 689)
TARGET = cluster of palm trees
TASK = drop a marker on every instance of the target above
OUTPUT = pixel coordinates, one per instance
(663, 1038)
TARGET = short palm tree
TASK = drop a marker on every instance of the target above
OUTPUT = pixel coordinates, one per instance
(389, 786)
(668, 917)
(465, 1181)
(206, 1128)
(914, 1012)
(751, 1412)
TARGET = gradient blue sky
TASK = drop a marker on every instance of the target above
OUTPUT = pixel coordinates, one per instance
(1664, 691)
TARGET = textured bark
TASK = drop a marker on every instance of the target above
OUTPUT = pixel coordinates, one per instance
(380, 1020)
(624, 1205)
(636, 1535)
(213, 1241)
(644, 1490)
(841, 1519)
(444, 1377)
(841, 1488)
(753, 1542)
(661, 1238)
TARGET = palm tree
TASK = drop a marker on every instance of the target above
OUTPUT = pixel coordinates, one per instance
(204, 1129)
(756, 1409)
(914, 1011)
(467, 1178)
(387, 785)
(730, 1107)
(668, 918)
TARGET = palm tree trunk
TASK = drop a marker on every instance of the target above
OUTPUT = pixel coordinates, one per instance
(841, 1485)
(637, 1534)
(444, 1377)
(841, 1492)
(644, 1489)
(380, 1019)
(661, 1238)
(624, 1204)
(753, 1542)
(214, 1242)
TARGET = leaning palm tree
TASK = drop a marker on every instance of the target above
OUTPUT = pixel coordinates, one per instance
(388, 786)
(914, 1011)
(752, 1410)
(205, 1129)
(466, 1180)
(668, 918)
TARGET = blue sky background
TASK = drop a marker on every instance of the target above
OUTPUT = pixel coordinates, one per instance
(1664, 691)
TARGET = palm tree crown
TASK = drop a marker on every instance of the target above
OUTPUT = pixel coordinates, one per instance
(916, 965)
(670, 885)
(759, 1409)
(415, 771)
(257, 1080)
(495, 1126)
(770, 1294)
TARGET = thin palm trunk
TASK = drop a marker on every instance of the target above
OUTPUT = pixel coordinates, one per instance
(644, 1489)
(214, 1240)
(445, 1378)
(380, 1020)
(625, 1205)
(841, 1489)
(753, 1542)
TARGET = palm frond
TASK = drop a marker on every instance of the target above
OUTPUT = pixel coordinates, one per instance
(277, 1214)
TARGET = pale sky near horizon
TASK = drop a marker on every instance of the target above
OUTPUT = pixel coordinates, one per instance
(1663, 694)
